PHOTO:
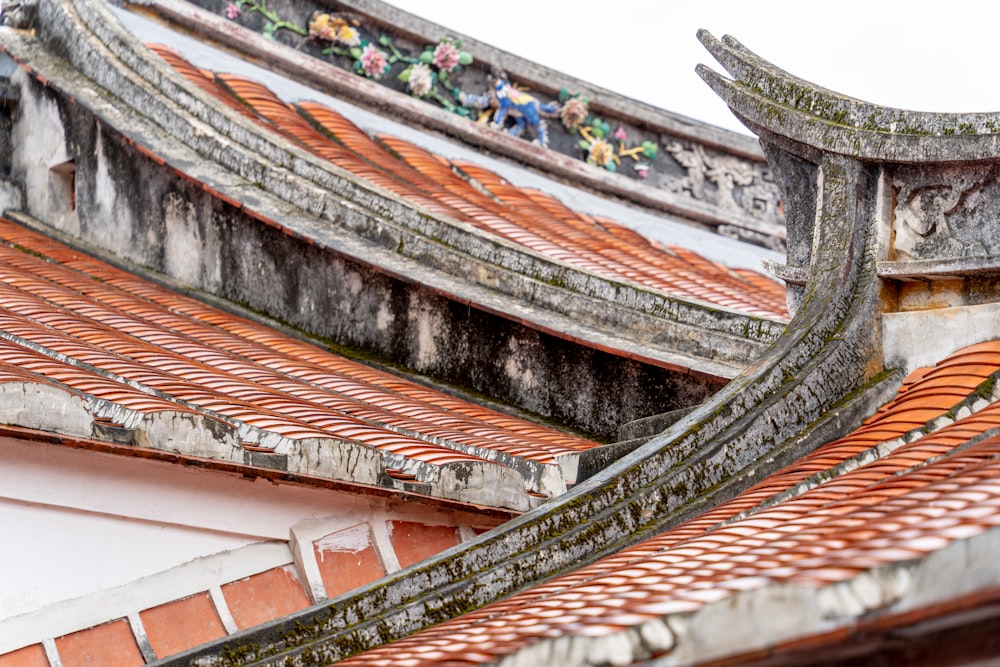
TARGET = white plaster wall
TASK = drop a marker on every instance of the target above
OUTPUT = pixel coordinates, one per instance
(160, 492)
(922, 338)
(104, 530)
(52, 554)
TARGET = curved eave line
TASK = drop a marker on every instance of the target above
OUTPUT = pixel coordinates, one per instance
(771, 101)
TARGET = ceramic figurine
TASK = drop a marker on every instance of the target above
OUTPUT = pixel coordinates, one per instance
(506, 101)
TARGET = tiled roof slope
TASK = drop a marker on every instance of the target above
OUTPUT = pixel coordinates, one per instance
(483, 199)
(143, 357)
(921, 473)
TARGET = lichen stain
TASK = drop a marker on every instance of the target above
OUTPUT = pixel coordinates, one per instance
(182, 245)
(384, 317)
(428, 326)
(518, 366)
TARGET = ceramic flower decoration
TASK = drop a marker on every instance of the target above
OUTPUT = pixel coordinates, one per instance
(602, 154)
(373, 62)
(573, 113)
(420, 80)
(333, 29)
(446, 56)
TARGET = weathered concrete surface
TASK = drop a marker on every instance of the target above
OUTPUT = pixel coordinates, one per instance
(906, 339)
(937, 197)
(443, 299)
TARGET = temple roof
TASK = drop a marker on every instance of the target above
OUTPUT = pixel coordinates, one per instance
(798, 482)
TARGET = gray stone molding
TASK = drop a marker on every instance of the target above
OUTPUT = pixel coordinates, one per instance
(938, 199)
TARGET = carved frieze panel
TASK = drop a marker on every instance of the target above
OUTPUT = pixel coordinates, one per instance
(945, 212)
(731, 183)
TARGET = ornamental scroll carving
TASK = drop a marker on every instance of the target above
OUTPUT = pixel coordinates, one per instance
(945, 212)
(732, 184)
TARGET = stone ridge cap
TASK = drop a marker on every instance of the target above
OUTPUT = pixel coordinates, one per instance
(422, 230)
(358, 90)
(540, 76)
(769, 99)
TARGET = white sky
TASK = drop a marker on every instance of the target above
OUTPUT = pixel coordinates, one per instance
(923, 55)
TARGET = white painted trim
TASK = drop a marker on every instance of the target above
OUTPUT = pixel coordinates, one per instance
(383, 544)
(51, 652)
(187, 579)
(301, 545)
(139, 633)
(466, 533)
(222, 609)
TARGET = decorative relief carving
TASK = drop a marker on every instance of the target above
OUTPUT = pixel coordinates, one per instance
(732, 184)
(945, 212)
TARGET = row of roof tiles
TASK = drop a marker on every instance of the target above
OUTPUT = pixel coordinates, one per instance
(74, 322)
(482, 199)
(919, 474)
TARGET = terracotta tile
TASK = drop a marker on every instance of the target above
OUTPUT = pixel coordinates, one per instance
(347, 559)
(182, 624)
(108, 645)
(29, 656)
(413, 542)
(264, 597)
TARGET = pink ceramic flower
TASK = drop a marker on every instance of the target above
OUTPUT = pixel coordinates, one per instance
(620, 134)
(446, 56)
(374, 63)
(232, 11)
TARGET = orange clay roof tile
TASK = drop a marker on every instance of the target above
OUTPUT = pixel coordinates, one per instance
(115, 328)
(525, 216)
(903, 505)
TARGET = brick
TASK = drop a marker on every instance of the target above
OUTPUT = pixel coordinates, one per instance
(347, 559)
(264, 597)
(29, 656)
(413, 542)
(107, 645)
(182, 624)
